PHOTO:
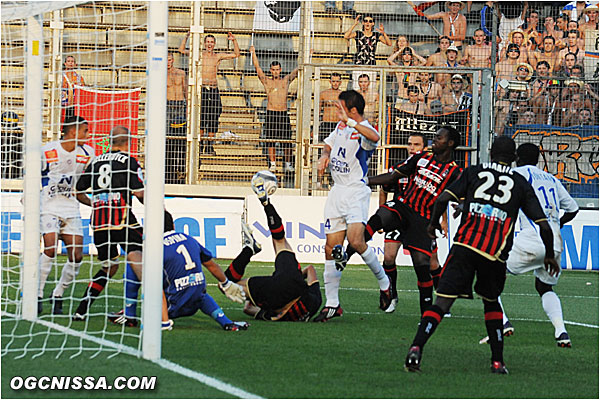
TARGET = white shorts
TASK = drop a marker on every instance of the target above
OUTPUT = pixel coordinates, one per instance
(346, 205)
(530, 257)
(50, 223)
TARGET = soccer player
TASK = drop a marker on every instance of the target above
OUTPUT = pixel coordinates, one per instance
(493, 195)
(528, 251)
(184, 285)
(428, 175)
(290, 293)
(347, 151)
(113, 177)
(63, 162)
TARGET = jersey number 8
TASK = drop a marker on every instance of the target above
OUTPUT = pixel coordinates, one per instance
(104, 178)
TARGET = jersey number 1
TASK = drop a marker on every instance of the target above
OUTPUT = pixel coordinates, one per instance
(189, 263)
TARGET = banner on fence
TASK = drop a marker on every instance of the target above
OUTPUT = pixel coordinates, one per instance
(570, 154)
(104, 109)
(277, 16)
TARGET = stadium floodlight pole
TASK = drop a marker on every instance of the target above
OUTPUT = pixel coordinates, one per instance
(33, 172)
(155, 182)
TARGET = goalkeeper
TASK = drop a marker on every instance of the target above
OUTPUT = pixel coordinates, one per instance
(184, 284)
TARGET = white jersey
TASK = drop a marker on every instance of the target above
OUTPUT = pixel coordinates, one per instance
(552, 196)
(60, 171)
(350, 154)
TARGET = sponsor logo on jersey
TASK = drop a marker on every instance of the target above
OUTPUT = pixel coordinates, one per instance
(488, 211)
(422, 162)
(51, 156)
(430, 174)
(354, 135)
(184, 282)
(82, 159)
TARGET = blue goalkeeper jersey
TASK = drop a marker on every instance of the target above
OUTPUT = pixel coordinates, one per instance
(183, 278)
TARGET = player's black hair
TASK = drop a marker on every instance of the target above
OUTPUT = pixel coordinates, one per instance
(453, 134)
(503, 149)
(72, 122)
(421, 135)
(275, 64)
(364, 76)
(209, 36)
(353, 99)
(336, 74)
(528, 154)
(169, 224)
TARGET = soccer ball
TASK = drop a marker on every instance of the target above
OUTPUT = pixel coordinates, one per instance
(269, 179)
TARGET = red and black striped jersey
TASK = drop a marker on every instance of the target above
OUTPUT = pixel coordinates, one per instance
(113, 177)
(493, 195)
(306, 306)
(427, 179)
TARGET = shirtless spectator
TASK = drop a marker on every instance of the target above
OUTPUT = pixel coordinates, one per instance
(547, 105)
(455, 24)
(517, 37)
(210, 104)
(572, 42)
(526, 118)
(439, 57)
(506, 69)
(523, 75)
(548, 53)
(371, 112)
(507, 109)
(277, 122)
(542, 76)
(561, 26)
(591, 12)
(406, 78)
(550, 30)
(511, 16)
(329, 97)
(586, 118)
(70, 78)
(414, 105)
(478, 55)
(176, 95)
(574, 26)
(451, 62)
(531, 28)
(572, 111)
(457, 98)
(428, 90)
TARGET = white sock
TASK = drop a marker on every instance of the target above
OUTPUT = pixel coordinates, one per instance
(45, 268)
(551, 304)
(69, 272)
(331, 280)
(371, 260)
(504, 317)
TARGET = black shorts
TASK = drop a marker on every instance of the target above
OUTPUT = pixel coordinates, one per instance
(413, 227)
(210, 109)
(459, 272)
(176, 117)
(108, 240)
(394, 236)
(277, 126)
(325, 128)
(286, 284)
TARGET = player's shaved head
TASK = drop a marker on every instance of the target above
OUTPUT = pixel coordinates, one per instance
(528, 154)
(120, 136)
(503, 150)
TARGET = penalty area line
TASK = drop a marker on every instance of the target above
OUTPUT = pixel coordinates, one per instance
(163, 363)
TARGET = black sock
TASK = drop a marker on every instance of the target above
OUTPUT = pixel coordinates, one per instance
(493, 324)
(435, 276)
(429, 322)
(274, 222)
(392, 273)
(95, 287)
(425, 285)
(238, 265)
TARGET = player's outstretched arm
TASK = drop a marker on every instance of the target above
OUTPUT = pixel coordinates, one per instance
(440, 205)
(384, 179)
(233, 291)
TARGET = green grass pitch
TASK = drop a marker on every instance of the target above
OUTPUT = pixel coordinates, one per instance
(360, 355)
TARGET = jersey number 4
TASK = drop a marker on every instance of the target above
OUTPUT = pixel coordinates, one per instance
(505, 185)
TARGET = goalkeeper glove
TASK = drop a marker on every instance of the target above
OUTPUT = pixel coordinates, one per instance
(233, 291)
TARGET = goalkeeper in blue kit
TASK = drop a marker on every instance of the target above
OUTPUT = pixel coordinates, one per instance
(184, 284)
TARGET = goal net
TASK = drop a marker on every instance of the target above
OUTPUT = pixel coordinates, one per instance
(92, 61)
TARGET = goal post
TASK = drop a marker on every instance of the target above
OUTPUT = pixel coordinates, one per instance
(155, 172)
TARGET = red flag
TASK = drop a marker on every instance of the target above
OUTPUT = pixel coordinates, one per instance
(104, 109)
